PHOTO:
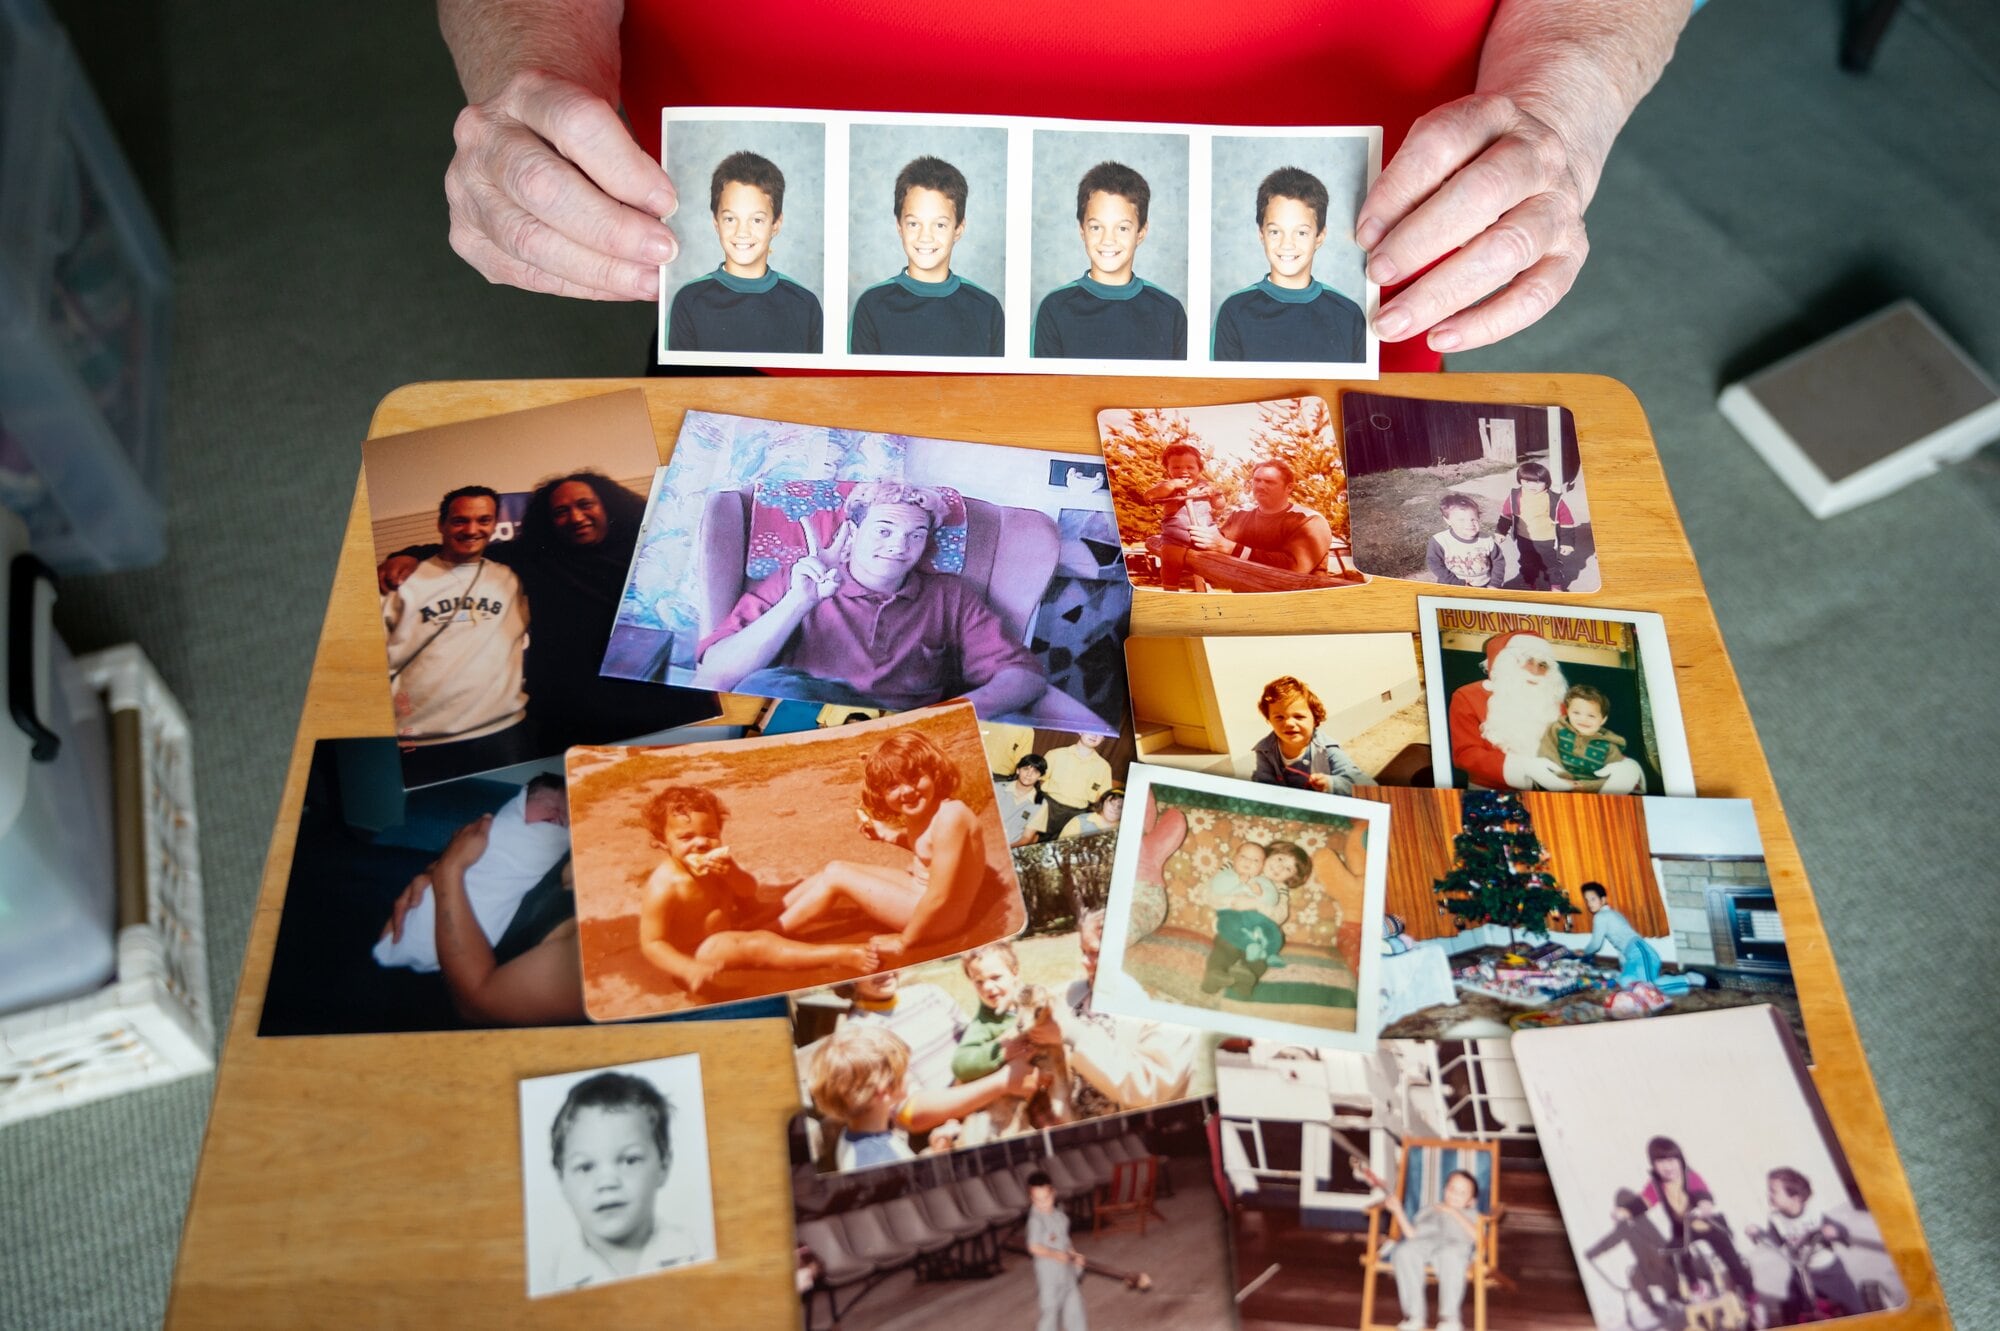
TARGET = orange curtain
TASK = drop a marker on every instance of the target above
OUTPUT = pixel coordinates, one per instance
(1422, 824)
(1600, 838)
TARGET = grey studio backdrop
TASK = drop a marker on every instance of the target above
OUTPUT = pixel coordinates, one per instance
(1236, 244)
(875, 153)
(1061, 158)
(694, 147)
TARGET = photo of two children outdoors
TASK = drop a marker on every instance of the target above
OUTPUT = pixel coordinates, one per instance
(709, 873)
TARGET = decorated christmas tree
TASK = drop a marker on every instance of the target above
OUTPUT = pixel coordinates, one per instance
(1502, 875)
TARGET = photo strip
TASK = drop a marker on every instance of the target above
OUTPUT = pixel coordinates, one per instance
(362, 946)
(501, 547)
(853, 240)
(1528, 697)
(998, 1042)
(1245, 497)
(879, 571)
(1125, 1211)
(708, 873)
(1246, 909)
(1683, 1209)
(1514, 910)
(1468, 494)
(614, 1174)
(1325, 712)
(1340, 1166)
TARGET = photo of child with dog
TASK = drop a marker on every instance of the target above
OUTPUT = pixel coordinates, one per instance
(998, 1042)
(710, 873)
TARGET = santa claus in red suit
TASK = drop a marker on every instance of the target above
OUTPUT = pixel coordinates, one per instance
(1497, 723)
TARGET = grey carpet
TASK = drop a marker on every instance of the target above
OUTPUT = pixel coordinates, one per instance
(1757, 199)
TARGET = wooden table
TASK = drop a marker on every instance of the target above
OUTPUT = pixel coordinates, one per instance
(372, 1181)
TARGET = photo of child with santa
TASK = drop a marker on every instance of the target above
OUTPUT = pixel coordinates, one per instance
(1502, 671)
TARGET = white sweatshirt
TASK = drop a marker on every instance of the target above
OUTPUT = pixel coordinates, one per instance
(457, 634)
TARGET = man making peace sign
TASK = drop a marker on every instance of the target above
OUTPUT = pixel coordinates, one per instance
(857, 622)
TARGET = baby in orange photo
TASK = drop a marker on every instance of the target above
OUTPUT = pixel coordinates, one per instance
(699, 915)
(907, 790)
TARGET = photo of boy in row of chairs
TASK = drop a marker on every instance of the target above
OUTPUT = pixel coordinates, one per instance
(928, 309)
(1011, 1234)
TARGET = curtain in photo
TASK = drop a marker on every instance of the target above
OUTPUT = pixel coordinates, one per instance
(1421, 830)
(1600, 838)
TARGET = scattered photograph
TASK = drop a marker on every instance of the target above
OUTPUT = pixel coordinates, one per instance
(1372, 1190)
(501, 548)
(1112, 1223)
(995, 1043)
(1286, 280)
(1110, 254)
(751, 273)
(614, 1174)
(1246, 497)
(1468, 494)
(1683, 1209)
(707, 873)
(409, 911)
(1325, 712)
(1510, 911)
(927, 240)
(1246, 909)
(1566, 700)
(1056, 784)
(868, 570)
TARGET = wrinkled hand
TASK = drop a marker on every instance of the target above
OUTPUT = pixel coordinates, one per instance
(393, 572)
(407, 902)
(549, 192)
(818, 575)
(467, 844)
(1487, 177)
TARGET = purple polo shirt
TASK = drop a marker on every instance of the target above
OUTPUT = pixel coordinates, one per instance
(934, 639)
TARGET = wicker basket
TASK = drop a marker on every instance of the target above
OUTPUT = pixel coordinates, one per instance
(153, 1023)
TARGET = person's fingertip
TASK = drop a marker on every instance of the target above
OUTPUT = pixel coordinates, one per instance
(1445, 339)
(1369, 233)
(1391, 324)
(662, 203)
(1382, 270)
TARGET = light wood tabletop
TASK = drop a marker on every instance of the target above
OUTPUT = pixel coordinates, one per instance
(374, 1181)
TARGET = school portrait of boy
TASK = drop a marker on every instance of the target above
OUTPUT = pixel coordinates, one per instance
(766, 199)
(1116, 203)
(926, 240)
(1286, 282)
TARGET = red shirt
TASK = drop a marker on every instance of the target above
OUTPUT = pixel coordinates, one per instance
(1322, 62)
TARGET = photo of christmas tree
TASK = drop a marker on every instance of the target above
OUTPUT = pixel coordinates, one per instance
(1246, 497)
(1247, 909)
(1514, 910)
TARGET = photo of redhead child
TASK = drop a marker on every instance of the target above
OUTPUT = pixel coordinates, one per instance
(617, 1184)
(1462, 555)
(708, 873)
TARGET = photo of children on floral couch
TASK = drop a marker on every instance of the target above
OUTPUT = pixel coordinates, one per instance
(1251, 907)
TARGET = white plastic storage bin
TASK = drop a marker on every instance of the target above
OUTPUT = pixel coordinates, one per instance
(84, 304)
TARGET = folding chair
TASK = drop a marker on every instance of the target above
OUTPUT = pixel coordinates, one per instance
(1422, 1167)
(913, 1229)
(1129, 1193)
(839, 1269)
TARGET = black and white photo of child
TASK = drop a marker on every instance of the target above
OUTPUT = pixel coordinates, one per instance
(615, 1177)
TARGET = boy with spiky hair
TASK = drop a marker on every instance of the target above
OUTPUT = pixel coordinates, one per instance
(745, 304)
(927, 309)
(1110, 313)
(1289, 315)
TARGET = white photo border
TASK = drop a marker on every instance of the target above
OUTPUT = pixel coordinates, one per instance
(1018, 298)
(1649, 630)
(1118, 993)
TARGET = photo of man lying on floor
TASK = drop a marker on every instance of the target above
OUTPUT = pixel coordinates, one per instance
(1111, 1223)
(432, 909)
